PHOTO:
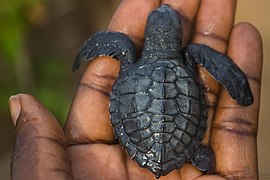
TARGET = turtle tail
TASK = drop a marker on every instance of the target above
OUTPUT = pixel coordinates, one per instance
(104, 43)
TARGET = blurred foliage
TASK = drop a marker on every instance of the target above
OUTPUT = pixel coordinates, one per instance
(52, 86)
(18, 72)
(38, 41)
(14, 22)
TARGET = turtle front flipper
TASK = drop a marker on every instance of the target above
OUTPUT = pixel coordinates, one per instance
(104, 43)
(223, 69)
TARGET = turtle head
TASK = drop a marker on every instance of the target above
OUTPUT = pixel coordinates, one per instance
(163, 33)
(164, 24)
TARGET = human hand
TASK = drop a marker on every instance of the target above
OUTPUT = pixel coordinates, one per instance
(41, 151)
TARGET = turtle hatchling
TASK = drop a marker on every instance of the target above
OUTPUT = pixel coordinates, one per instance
(157, 106)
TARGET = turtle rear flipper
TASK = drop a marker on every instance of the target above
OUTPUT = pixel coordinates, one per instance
(223, 69)
(204, 159)
(104, 43)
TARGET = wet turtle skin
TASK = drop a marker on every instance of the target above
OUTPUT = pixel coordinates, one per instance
(158, 109)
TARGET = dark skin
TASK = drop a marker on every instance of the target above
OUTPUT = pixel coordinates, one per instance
(86, 148)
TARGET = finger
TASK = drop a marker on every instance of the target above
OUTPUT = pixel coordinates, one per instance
(88, 120)
(187, 9)
(40, 148)
(130, 18)
(213, 26)
(214, 23)
(235, 127)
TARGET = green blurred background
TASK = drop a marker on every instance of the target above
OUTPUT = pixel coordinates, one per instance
(39, 39)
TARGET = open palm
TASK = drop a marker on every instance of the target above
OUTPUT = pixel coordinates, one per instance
(87, 148)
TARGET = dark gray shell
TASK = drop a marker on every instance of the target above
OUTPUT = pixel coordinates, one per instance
(158, 114)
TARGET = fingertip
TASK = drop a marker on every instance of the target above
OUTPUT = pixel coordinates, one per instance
(246, 48)
(32, 119)
(23, 104)
(25, 107)
(248, 28)
(130, 18)
(214, 22)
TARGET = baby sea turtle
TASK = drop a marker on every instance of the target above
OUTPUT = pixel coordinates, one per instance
(157, 107)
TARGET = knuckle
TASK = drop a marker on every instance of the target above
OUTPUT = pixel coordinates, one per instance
(237, 126)
(99, 83)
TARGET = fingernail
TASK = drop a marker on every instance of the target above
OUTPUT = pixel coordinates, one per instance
(15, 108)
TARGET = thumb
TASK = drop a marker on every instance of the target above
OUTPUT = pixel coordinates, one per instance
(40, 148)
